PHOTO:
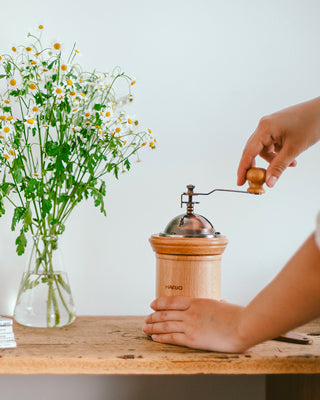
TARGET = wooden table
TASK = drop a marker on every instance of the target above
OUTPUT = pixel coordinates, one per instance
(117, 346)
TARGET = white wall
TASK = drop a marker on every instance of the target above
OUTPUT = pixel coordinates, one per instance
(206, 72)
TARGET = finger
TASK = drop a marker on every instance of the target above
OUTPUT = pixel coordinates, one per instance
(179, 339)
(171, 303)
(279, 163)
(163, 327)
(251, 150)
(160, 316)
(270, 155)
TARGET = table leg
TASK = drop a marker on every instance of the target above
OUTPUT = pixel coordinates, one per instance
(293, 387)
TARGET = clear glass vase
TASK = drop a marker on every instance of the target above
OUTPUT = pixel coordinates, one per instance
(44, 299)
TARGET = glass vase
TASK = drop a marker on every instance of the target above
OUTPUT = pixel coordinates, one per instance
(44, 299)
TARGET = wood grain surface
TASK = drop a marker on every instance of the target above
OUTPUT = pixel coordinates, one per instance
(117, 346)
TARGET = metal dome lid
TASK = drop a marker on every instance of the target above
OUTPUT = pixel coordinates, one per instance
(190, 226)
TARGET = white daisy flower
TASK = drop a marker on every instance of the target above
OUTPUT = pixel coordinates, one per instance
(35, 110)
(29, 121)
(56, 46)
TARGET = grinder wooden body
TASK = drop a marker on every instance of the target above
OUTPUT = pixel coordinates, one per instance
(188, 266)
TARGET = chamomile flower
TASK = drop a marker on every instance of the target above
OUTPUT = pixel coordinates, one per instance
(64, 68)
(32, 86)
(11, 82)
(4, 103)
(37, 174)
(7, 129)
(8, 154)
(59, 92)
(34, 111)
(56, 45)
(30, 121)
(107, 114)
(69, 82)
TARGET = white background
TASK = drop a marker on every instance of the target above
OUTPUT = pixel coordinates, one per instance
(206, 72)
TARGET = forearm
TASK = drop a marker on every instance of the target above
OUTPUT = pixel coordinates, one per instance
(291, 299)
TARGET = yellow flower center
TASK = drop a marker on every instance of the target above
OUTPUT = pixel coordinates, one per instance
(7, 101)
(149, 130)
(118, 130)
(133, 83)
(69, 82)
(33, 62)
(58, 90)
(30, 121)
(74, 110)
(0, 58)
(32, 86)
(12, 152)
(2, 117)
(72, 93)
(36, 175)
(63, 67)
(13, 82)
(6, 129)
(35, 109)
(40, 26)
(14, 49)
(129, 121)
(82, 94)
(108, 113)
(57, 46)
(143, 144)
(1, 137)
(10, 118)
(77, 51)
(6, 156)
(151, 144)
(28, 48)
(87, 114)
(125, 142)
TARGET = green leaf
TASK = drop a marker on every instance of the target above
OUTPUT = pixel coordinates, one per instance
(8, 68)
(2, 209)
(31, 188)
(21, 243)
(52, 148)
(17, 174)
(46, 207)
(27, 217)
(17, 215)
(2, 76)
(51, 64)
(6, 188)
(97, 107)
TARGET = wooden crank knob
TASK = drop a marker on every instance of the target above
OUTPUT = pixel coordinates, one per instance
(256, 178)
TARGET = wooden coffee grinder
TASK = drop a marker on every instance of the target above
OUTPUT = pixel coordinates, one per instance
(189, 250)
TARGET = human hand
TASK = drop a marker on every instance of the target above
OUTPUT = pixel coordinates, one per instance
(280, 138)
(198, 323)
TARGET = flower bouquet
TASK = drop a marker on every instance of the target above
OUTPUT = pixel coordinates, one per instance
(61, 131)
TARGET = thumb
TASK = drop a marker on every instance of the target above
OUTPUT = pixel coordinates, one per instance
(280, 162)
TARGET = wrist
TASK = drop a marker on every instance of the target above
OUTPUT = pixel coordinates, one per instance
(246, 335)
